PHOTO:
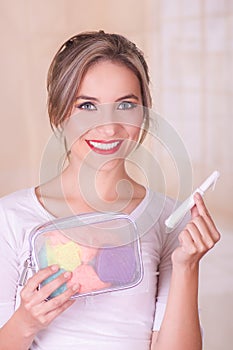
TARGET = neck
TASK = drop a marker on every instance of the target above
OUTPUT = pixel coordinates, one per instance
(74, 192)
(106, 185)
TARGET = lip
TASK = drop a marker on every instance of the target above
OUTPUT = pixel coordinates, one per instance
(104, 147)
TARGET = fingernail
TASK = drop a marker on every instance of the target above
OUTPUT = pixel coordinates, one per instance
(67, 274)
(54, 267)
(75, 287)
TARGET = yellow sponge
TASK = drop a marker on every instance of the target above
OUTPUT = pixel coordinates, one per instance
(67, 255)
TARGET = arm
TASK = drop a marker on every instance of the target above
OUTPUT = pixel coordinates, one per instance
(34, 313)
(180, 329)
(181, 320)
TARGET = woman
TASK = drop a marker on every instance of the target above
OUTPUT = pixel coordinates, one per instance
(96, 85)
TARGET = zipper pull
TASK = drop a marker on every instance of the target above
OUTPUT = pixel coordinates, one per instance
(24, 274)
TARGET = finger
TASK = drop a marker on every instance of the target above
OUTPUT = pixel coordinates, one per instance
(204, 231)
(202, 210)
(43, 317)
(199, 202)
(187, 242)
(33, 282)
(57, 302)
(50, 316)
(47, 289)
(194, 212)
(198, 238)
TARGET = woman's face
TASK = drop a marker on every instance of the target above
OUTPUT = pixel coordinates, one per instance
(108, 108)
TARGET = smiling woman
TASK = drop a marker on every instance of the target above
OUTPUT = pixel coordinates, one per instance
(88, 49)
(98, 96)
(119, 91)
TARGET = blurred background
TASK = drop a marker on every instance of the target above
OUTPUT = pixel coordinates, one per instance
(189, 49)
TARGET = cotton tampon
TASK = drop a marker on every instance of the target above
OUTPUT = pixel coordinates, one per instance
(180, 212)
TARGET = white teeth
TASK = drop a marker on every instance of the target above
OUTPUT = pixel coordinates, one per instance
(104, 146)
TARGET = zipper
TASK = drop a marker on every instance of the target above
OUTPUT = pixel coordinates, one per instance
(28, 265)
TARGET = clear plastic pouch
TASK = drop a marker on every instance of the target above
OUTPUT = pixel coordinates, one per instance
(101, 250)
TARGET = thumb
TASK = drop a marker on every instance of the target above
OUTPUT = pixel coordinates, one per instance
(195, 211)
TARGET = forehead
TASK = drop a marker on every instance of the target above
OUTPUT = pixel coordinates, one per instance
(106, 77)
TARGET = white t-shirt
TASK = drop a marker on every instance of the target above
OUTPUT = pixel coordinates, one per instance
(119, 320)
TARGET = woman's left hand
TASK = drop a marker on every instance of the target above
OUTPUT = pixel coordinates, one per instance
(197, 238)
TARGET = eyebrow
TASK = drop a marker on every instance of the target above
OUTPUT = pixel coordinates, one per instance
(90, 98)
(128, 96)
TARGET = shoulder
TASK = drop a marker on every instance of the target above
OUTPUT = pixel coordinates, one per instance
(154, 210)
(161, 205)
(16, 197)
(19, 202)
(19, 213)
(156, 206)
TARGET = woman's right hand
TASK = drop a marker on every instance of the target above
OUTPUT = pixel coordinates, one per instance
(35, 312)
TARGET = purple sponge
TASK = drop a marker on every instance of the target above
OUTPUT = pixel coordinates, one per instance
(116, 265)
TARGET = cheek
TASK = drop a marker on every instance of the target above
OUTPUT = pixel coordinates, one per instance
(79, 146)
(133, 132)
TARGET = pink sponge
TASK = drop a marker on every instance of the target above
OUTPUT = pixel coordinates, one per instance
(87, 253)
(87, 278)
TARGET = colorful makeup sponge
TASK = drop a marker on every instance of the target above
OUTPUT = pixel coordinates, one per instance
(67, 255)
(116, 265)
(87, 278)
(56, 237)
(59, 290)
(87, 253)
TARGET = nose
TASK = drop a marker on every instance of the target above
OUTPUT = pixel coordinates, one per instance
(109, 129)
(109, 126)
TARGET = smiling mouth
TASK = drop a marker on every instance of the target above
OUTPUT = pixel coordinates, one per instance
(104, 147)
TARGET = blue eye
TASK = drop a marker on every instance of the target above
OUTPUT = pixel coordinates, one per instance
(88, 106)
(126, 105)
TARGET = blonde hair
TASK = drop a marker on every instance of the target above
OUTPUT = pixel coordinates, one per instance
(76, 56)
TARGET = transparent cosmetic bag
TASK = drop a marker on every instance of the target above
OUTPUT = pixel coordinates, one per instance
(101, 250)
